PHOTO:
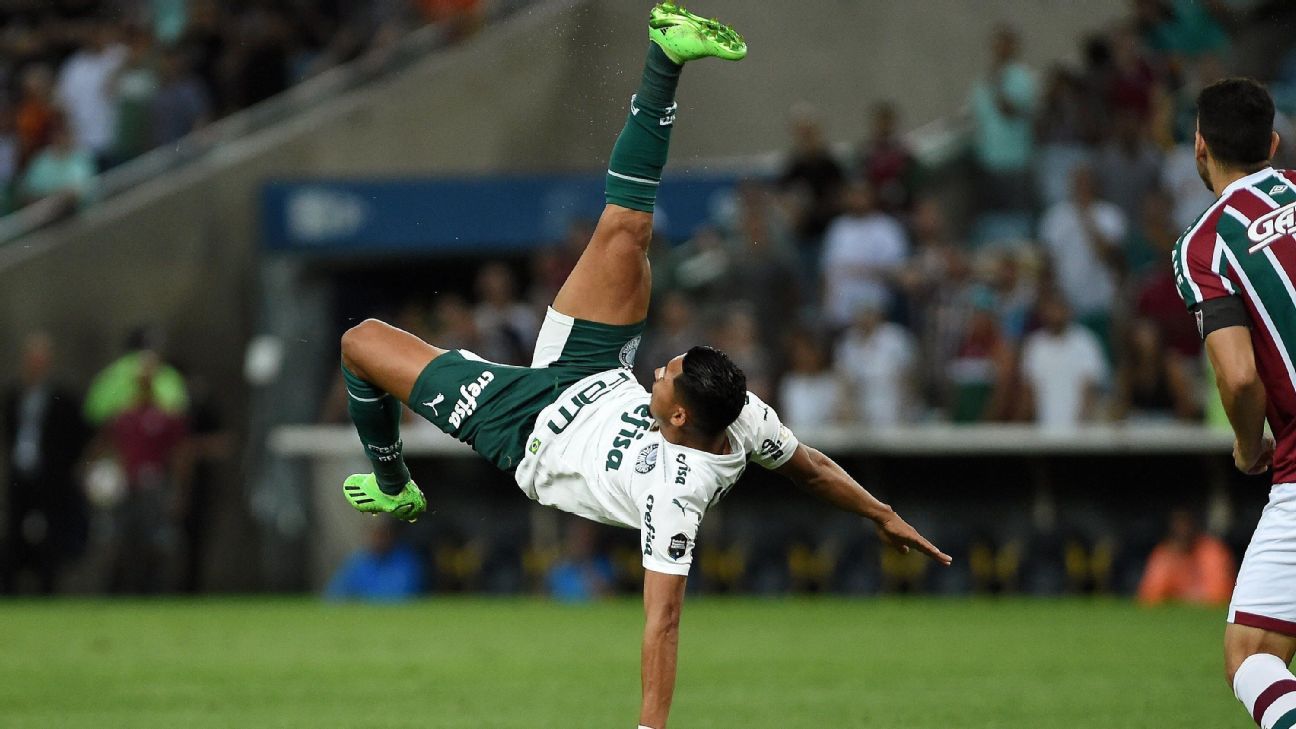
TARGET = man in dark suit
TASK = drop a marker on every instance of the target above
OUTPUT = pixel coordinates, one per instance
(44, 436)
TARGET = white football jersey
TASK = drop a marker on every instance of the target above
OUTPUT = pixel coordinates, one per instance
(596, 452)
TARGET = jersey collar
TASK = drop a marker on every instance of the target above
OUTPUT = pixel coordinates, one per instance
(1247, 181)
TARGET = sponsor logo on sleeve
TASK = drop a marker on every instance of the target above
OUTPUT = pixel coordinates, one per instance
(678, 546)
(1271, 226)
(682, 471)
(649, 530)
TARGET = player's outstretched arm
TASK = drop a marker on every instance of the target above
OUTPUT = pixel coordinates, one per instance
(821, 476)
(1243, 396)
(663, 601)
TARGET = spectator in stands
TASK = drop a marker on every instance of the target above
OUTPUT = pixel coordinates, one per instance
(1131, 81)
(810, 394)
(551, 265)
(147, 440)
(1185, 28)
(10, 156)
(1084, 238)
(1063, 129)
(1188, 566)
(1128, 165)
(182, 104)
(738, 335)
(455, 324)
(864, 252)
(1014, 288)
(61, 171)
(764, 269)
(982, 370)
(1152, 383)
(43, 440)
(580, 574)
(884, 160)
(384, 570)
(85, 90)
(1063, 368)
(812, 181)
(1157, 297)
(878, 361)
(673, 333)
(133, 87)
(36, 111)
(1003, 106)
(508, 326)
(934, 284)
(116, 387)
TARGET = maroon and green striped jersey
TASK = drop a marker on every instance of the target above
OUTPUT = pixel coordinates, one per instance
(1243, 246)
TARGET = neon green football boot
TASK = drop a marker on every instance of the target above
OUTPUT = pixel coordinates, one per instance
(686, 37)
(362, 491)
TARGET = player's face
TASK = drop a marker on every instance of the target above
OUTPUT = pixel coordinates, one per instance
(663, 405)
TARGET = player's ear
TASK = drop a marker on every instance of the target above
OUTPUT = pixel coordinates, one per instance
(1273, 144)
(678, 417)
(1199, 147)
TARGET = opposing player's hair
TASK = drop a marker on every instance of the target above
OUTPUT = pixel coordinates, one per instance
(712, 389)
(1235, 117)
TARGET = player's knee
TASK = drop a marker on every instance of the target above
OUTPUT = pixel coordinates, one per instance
(630, 227)
(359, 338)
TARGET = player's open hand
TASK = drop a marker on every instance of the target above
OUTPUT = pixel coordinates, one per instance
(1254, 461)
(897, 533)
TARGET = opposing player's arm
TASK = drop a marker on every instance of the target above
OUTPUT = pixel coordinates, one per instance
(1225, 327)
(821, 476)
(663, 601)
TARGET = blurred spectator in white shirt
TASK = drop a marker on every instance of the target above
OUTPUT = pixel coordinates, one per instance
(1063, 367)
(877, 359)
(85, 89)
(864, 251)
(1084, 237)
(810, 394)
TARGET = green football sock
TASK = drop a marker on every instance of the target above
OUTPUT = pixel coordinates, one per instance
(634, 171)
(377, 415)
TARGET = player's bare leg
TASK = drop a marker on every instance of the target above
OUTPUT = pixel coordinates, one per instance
(611, 283)
(1256, 666)
(380, 364)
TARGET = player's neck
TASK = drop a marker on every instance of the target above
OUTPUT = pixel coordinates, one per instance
(1222, 177)
(718, 445)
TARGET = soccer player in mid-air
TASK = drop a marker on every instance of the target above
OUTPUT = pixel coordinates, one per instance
(578, 431)
(1235, 268)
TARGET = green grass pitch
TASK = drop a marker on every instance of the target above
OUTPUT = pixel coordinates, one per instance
(890, 663)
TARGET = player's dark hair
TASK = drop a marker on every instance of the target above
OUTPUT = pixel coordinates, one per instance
(712, 388)
(1235, 117)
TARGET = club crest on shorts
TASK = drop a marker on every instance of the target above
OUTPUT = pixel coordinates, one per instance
(629, 351)
(647, 459)
(678, 545)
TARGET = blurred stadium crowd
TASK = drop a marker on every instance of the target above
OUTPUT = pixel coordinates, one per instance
(86, 85)
(856, 286)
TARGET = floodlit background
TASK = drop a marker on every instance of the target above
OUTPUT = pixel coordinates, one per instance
(935, 234)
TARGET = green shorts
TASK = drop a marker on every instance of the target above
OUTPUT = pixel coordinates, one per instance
(492, 407)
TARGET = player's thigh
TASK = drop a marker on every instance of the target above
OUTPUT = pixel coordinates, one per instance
(611, 283)
(391, 359)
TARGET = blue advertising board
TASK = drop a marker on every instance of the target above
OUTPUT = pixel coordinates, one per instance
(459, 214)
